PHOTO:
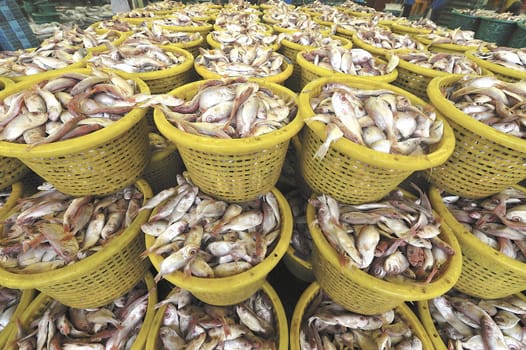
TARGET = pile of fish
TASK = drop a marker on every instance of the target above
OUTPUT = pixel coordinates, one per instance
(396, 239)
(84, 15)
(327, 325)
(9, 299)
(498, 220)
(49, 229)
(317, 7)
(355, 7)
(138, 13)
(348, 61)
(245, 38)
(45, 58)
(116, 24)
(455, 36)
(465, 322)
(300, 22)
(165, 5)
(443, 62)
(113, 326)
(355, 24)
(230, 108)
(180, 19)
(421, 23)
(242, 19)
(301, 239)
(196, 11)
(491, 101)
(77, 37)
(379, 119)
(157, 35)
(504, 56)
(310, 38)
(386, 39)
(336, 17)
(242, 61)
(507, 16)
(134, 56)
(238, 27)
(205, 237)
(188, 323)
(65, 107)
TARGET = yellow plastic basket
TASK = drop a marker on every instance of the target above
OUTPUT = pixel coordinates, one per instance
(353, 173)
(235, 170)
(99, 278)
(447, 48)
(191, 46)
(218, 45)
(427, 321)
(162, 81)
(297, 266)
(286, 71)
(344, 33)
(11, 170)
(290, 50)
(309, 72)
(486, 272)
(400, 28)
(25, 299)
(162, 169)
(99, 163)
(358, 291)
(485, 161)
(503, 73)
(312, 291)
(233, 289)
(154, 343)
(269, 20)
(39, 305)
(17, 189)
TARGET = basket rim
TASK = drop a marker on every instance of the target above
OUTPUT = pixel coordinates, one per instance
(452, 47)
(346, 43)
(465, 237)
(493, 67)
(188, 44)
(451, 112)
(16, 191)
(84, 266)
(428, 72)
(78, 144)
(498, 20)
(102, 47)
(159, 156)
(365, 154)
(206, 73)
(228, 146)
(407, 29)
(5, 82)
(308, 295)
(410, 291)
(309, 66)
(240, 280)
(172, 71)
(279, 310)
(291, 253)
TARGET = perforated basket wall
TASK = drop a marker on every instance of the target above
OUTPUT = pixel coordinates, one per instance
(192, 46)
(11, 170)
(236, 288)
(162, 81)
(501, 72)
(484, 161)
(310, 294)
(352, 173)
(486, 272)
(232, 169)
(280, 318)
(99, 163)
(99, 278)
(309, 71)
(358, 291)
(494, 30)
(40, 304)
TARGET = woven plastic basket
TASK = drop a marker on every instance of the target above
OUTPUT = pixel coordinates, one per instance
(39, 305)
(399, 28)
(17, 189)
(99, 163)
(269, 20)
(494, 30)
(280, 317)
(486, 272)
(290, 50)
(162, 169)
(447, 48)
(312, 291)
(99, 278)
(427, 321)
(485, 161)
(11, 170)
(162, 81)
(518, 37)
(236, 288)
(309, 72)
(297, 266)
(358, 291)
(25, 299)
(465, 21)
(191, 46)
(218, 45)
(353, 173)
(232, 169)
(503, 73)
(286, 71)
